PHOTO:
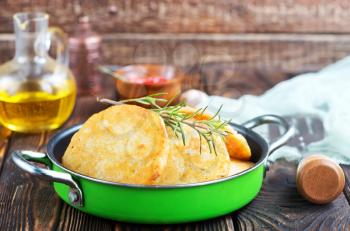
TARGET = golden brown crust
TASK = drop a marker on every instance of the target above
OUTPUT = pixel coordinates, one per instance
(187, 164)
(123, 143)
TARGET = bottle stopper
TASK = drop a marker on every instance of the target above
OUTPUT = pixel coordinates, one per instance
(320, 179)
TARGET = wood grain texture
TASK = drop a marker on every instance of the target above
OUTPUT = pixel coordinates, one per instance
(224, 223)
(4, 141)
(248, 62)
(286, 52)
(347, 182)
(71, 219)
(280, 207)
(26, 202)
(189, 16)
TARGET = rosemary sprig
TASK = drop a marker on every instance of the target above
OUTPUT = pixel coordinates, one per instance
(174, 118)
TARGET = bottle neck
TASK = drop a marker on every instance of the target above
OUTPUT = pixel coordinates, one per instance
(30, 45)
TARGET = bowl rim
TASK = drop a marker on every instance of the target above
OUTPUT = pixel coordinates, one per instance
(178, 77)
(71, 130)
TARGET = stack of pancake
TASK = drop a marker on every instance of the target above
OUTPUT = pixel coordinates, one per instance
(131, 144)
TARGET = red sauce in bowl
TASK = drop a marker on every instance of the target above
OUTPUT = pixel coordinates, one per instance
(147, 79)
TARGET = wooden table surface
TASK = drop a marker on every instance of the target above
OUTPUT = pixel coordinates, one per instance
(27, 203)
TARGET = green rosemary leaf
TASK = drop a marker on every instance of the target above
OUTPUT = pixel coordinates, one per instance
(216, 113)
(143, 102)
(200, 140)
(207, 140)
(192, 115)
(174, 118)
(213, 143)
(183, 136)
(203, 110)
(171, 100)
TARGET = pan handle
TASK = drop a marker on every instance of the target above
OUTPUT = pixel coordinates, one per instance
(289, 130)
(23, 159)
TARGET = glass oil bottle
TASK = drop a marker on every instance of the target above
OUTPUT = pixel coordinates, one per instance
(37, 93)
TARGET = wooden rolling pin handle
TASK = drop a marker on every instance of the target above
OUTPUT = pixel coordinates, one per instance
(320, 179)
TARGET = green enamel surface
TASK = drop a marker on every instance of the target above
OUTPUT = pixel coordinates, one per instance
(166, 205)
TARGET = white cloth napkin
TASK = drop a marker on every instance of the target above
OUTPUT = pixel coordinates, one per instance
(325, 94)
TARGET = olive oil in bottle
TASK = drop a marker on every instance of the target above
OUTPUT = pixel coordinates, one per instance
(35, 111)
(37, 92)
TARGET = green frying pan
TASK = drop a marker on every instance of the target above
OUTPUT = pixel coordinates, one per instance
(155, 204)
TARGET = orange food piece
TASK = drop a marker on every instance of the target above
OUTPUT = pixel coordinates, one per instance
(199, 116)
(237, 146)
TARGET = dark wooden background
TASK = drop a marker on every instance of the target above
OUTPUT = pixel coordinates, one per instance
(262, 41)
(236, 47)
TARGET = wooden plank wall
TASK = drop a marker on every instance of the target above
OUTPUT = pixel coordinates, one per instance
(242, 40)
(193, 16)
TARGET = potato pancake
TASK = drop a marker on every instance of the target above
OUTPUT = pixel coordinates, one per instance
(194, 162)
(125, 143)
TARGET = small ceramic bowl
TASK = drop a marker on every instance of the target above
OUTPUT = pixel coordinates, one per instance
(141, 80)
